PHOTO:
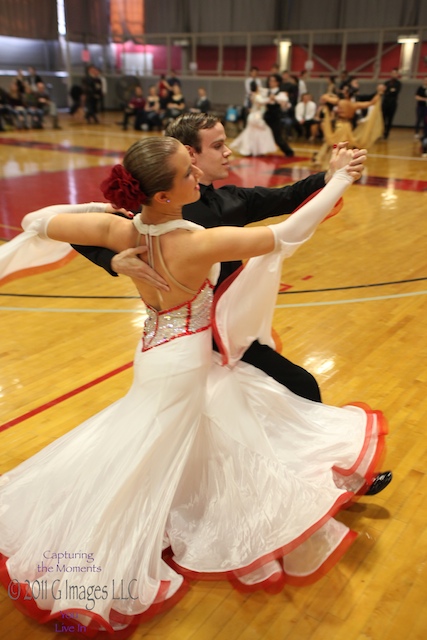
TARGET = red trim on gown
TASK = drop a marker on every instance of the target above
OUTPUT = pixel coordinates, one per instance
(33, 271)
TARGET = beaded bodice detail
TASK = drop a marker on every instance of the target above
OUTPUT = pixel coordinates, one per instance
(184, 319)
(190, 317)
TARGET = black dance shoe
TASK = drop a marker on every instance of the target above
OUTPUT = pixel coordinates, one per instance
(380, 482)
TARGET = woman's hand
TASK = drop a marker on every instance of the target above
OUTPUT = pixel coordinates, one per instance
(110, 208)
(340, 158)
(351, 159)
(357, 163)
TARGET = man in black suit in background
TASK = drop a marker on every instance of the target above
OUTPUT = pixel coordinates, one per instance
(389, 103)
(273, 113)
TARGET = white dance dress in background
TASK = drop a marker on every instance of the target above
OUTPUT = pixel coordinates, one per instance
(201, 470)
(256, 139)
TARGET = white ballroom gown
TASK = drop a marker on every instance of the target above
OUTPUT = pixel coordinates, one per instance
(201, 470)
(256, 139)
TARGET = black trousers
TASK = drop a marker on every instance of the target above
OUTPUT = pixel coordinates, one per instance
(388, 109)
(92, 104)
(420, 116)
(290, 375)
(272, 117)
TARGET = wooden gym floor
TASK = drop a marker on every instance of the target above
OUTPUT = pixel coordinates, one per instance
(352, 309)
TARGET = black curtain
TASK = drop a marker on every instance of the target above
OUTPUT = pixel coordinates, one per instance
(186, 16)
(167, 16)
(88, 21)
(35, 19)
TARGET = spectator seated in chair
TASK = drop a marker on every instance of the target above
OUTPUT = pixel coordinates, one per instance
(153, 118)
(34, 110)
(135, 109)
(305, 116)
(17, 106)
(202, 104)
(46, 104)
(176, 104)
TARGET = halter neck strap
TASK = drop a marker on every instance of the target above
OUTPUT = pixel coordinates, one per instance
(156, 230)
(164, 227)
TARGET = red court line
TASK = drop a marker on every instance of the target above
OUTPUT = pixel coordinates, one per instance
(64, 147)
(60, 399)
(88, 385)
(46, 188)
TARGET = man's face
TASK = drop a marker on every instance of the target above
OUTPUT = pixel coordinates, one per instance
(214, 156)
(185, 188)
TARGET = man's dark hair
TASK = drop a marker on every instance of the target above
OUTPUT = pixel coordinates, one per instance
(186, 128)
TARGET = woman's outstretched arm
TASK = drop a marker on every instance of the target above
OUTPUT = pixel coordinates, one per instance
(113, 232)
(227, 243)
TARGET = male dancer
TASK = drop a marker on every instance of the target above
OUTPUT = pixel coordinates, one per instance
(389, 103)
(273, 113)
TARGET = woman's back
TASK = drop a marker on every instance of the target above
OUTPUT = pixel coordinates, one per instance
(169, 251)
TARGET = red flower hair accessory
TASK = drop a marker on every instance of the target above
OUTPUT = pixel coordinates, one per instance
(122, 189)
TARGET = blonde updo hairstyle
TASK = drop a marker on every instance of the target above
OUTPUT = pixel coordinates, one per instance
(148, 161)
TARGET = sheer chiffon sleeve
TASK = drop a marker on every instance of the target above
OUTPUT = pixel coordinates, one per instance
(32, 251)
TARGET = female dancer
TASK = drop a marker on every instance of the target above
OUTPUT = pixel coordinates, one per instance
(342, 128)
(201, 470)
(256, 138)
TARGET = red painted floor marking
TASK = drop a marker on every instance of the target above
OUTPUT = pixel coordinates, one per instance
(63, 147)
(22, 194)
(82, 184)
(285, 287)
(60, 399)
